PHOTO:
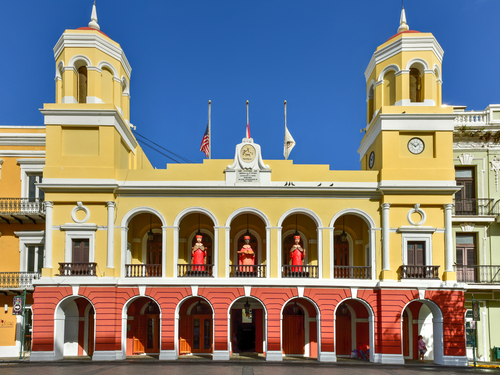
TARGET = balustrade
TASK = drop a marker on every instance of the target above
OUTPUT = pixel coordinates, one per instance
(478, 274)
(419, 272)
(195, 270)
(300, 271)
(352, 272)
(142, 270)
(18, 280)
(247, 271)
(12, 206)
(77, 269)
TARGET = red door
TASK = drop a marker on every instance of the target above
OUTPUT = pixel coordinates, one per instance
(293, 334)
(341, 258)
(344, 345)
(406, 335)
(139, 334)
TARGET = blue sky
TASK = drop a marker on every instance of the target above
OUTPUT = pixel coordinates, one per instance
(311, 53)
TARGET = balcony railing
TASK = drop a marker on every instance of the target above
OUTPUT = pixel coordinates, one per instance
(472, 206)
(142, 270)
(420, 272)
(300, 271)
(18, 280)
(352, 272)
(195, 270)
(77, 269)
(22, 206)
(248, 271)
(478, 274)
(472, 118)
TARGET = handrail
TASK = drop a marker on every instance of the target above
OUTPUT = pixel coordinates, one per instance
(142, 270)
(352, 272)
(472, 206)
(478, 274)
(257, 270)
(420, 272)
(21, 280)
(22, 206)
(300, 271)
(195, 270)
(77, 269)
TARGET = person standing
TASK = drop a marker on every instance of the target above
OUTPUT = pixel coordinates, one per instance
(421, 348)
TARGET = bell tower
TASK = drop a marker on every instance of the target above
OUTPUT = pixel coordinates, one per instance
(408, 135)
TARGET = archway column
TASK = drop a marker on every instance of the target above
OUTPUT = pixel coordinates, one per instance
(274, 234)
(449, 273)
(386, 265)
(170, 247)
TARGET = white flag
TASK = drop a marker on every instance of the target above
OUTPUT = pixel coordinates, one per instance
(289, 143)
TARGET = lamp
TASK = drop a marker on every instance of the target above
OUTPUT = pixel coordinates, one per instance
(150, 233)
(247, 308)
(343, 235)
(295, 308)
(6, 307)
(343, 309)
(199, 307)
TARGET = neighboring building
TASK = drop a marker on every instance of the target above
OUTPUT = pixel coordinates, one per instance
(118, 278)
(22, 225)
(476, 221)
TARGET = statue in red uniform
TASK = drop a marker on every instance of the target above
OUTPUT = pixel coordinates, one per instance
(199, 254)
(247, 256)
(297, 255)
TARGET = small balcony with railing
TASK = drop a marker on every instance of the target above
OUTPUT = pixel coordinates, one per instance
(142, 270)
(251, 270)
(476, 274)
(18, 280)
(294, 271)
(22, 210)
(419, 272)
(474, 207)
(77, 269)
(352, 272)
(195, 270)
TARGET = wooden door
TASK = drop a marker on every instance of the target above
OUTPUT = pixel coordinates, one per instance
(80, 251)
(154, 250)
(465, 203)
(90, 333)
(343, 327)
(185, 334)
(139, 334)
(202, 334)
(152, 333)
(293, 334)
(466, 256)
(416, 253)
(341, 257)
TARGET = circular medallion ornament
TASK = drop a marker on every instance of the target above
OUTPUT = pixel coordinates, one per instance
(18, 306)
(371, 160)
(247, 153)
(416, 146)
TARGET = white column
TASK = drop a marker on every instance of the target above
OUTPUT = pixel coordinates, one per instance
(279, 249)
(319, 249)
(48, 234)
(215, 252)
(268, 252)
(176, 253)
(373, 263)
(332, 252)
(164, 253)
(228, 250)
(386, 266)
(111, 234)
(448, 247)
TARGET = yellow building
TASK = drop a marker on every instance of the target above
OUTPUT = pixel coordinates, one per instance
(123, 273)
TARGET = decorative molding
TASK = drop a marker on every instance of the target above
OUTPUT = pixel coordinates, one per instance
(22, 139)
(495, 167)
(466, 158)
(467, 227)
(80, 207)
(418, 210)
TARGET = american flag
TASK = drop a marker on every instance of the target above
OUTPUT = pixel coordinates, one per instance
(205, 143)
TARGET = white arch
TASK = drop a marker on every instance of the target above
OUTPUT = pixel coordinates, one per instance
(437, 71)
(75, 59)
(126, 305)
(190, 210)
(59, 323)
(124, 229)
(354, 211)
(417, 61)
(247, 210)
(229, 344)
(370, 90)
(104, 64)
(300, 210)
(437, 327)
(59, 70)
(125, 86)
(371, 327)
(387, 69)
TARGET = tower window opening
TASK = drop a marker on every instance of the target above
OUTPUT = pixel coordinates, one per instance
(82, 84)
(389, 88)
(416, 89)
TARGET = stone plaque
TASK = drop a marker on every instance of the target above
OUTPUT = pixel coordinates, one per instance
(248, 177)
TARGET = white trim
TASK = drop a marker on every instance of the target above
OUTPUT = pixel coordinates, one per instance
(80, 207)
(28, 167)
(92, 40)
(393, 67)
(421, 236)
(105, 64)
(36, 356)
(392, 359)
(461, 361)
(106, 355)
(83, 234)
(92, 117)
(22, 139)
(274, 356)
(416, 61)
(29, 238)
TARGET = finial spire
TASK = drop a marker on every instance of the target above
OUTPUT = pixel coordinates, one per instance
(403, 26)
(93, 19)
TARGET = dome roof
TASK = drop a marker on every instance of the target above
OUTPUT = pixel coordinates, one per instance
(403, 32)
(91, 28)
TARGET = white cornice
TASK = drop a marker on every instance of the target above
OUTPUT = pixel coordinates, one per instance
(91, 117)
(31, 161)
(473, 219)
(91, 40)
(404, 44)
(419, 122)
(22, 139)
(22, 153)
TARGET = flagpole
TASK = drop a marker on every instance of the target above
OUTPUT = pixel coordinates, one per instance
(248, 122)
(210, 129)
(285, 127)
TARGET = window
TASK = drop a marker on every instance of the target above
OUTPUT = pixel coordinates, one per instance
(465, 202)
(416, 253)
(466, 258)
(416, 89)
(31, 249)
(35, 258)
(33, 192)
(82, 84)
(31, 174)
(80, 250)
(389, 88)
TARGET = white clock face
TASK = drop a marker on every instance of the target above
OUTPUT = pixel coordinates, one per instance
(372, 160)
(416, 146)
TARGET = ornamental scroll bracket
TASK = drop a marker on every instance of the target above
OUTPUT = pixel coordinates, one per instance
(495, 167)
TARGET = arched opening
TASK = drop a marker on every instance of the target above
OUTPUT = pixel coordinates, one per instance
(82, 84)
(248, 259)
(299, 329)
(143, 327)
(196, 244)
(144, 256)
(247, 334)
(299, 246)
(370, 104)
(389, 88)
(353, 330)
(437, 76)
(422, 318)
(416, 85)
(351, 248)
(107, 85)
(74, 328)
(195, 327)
